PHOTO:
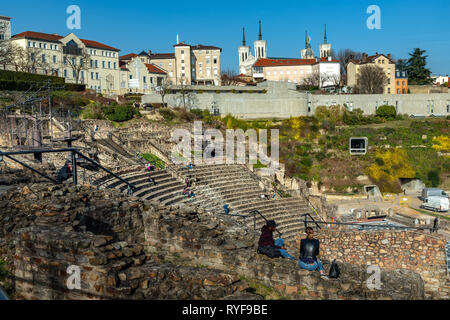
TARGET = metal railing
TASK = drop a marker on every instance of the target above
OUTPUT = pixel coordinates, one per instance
(75, 152)
(253, 214)
(367, 226)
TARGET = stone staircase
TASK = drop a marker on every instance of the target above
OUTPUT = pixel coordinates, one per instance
(168, 190)
(237, 186)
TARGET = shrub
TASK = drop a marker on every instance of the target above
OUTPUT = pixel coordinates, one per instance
(92, 111)
(119, 113)
(185, 115)
(167, 114)
(387, 112)
(198, 113)
(29, 77)
(434, 178)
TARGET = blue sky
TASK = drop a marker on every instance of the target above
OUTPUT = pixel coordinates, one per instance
(137, 25)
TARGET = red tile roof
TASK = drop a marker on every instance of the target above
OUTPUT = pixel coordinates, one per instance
(162, 56)
(95, 44)
(282, 62)
(324, 59)
(128, 56)
(56, 38)
(154, 69)
(38, 36)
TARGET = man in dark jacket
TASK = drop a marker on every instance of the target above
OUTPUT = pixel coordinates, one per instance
(266, 243)
(64, 173)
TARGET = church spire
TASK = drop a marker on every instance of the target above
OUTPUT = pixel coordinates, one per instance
(260, 34)
(243, 37)
(325, 37)
(306, 39)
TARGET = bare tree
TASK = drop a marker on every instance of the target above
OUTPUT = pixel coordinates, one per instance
(5, 48)
(77, 59)
(371, 80)
(312, 80)
(164, 88)
(228, 76)
(344, 56)
(28, 59)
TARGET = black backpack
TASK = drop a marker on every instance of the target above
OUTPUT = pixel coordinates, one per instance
(334, 270)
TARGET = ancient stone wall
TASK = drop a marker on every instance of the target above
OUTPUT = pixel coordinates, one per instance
(217, 245)
(420, 252)
(135, 249)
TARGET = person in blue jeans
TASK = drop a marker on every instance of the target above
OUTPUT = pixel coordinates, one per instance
(309, 251)
(280, 242)
(226, 208)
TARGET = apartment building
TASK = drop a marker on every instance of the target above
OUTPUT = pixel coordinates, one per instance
(5, 28)
(188, 64)
(137, 75)
(197, 65)
(383, 61)
(77, 60)
(401, 82)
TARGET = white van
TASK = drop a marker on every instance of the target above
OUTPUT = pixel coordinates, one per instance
(435, 203)
(432, 192)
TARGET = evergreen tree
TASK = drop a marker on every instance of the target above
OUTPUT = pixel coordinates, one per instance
(417, 71)
(401, 65)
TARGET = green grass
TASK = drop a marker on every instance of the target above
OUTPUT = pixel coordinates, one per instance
(153, 159)
(434, 214)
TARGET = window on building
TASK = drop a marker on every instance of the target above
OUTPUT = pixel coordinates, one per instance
(144, 79)
(92, 76)
(65, 73)
(215, 60)
(109, 65)
(43, 58)
(115, 65)
(82, 75)
(448, 106)
(103, 64)
(96, 75)
(91, 63)
(55, 59)
(96, 63)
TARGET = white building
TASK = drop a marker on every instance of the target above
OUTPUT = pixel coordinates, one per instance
(440, 80)
(329, 71)
(53, 54)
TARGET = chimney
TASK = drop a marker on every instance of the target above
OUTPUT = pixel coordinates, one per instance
(389, 56)
(364, 57)
(178, 39)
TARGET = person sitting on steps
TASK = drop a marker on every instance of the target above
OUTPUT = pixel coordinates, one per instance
(64, 173)
(309, 251)
(266, 243)
(226, 208)
(152, 181)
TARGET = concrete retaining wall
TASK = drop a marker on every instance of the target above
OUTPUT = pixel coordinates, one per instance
(281, 100)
